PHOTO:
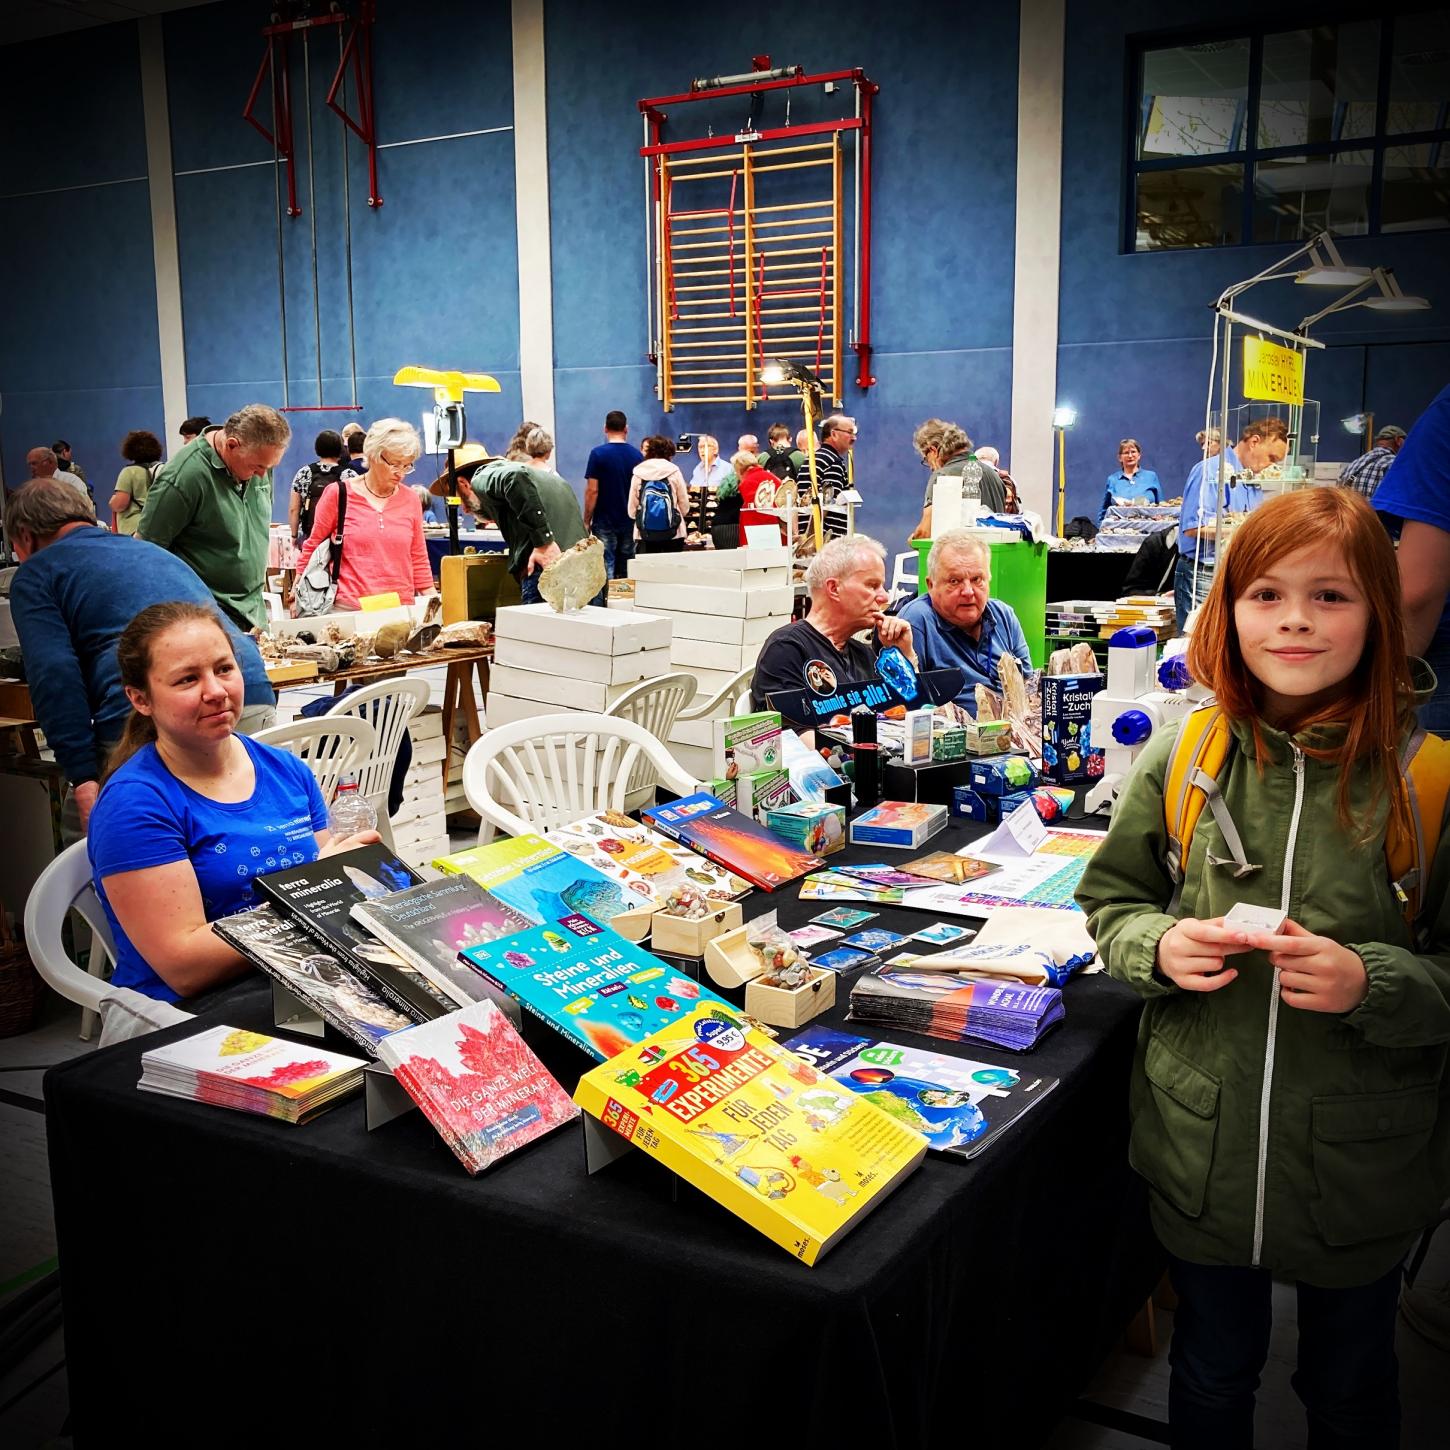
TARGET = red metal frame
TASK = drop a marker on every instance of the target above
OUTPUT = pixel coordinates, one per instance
(867, 89)
(281, 139)
(276, 62)
(359, 50)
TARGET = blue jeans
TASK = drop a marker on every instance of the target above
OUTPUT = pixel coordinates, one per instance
(618, 550)
(1347, 1374)
(529, 586)
(1183, 600)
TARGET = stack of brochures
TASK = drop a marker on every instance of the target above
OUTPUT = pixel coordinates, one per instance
(957, 1007)
(251, 1072)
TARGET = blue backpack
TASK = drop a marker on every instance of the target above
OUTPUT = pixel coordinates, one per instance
(658, 516)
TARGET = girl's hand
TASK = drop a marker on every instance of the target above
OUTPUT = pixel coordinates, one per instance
(346, 843)
(1315, 973)
(1191, 954)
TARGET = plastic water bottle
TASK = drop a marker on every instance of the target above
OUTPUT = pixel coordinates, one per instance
(971, 486)
(350, 812)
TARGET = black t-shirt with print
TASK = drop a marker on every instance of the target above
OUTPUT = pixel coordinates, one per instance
(797, 657)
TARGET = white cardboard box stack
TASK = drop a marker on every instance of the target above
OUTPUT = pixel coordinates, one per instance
(546, 662)
(724, 604)
(420, 827)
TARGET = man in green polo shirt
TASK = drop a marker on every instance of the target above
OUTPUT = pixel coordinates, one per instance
(211, 505)
(536, 511)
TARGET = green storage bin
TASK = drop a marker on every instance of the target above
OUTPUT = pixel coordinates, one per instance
(1019, 578)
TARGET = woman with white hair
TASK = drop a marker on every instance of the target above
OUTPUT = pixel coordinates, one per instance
(381, 531)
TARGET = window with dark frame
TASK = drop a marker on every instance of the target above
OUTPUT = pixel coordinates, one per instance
(1274, 135)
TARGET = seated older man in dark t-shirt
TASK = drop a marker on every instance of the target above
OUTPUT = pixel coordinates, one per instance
(847, 581)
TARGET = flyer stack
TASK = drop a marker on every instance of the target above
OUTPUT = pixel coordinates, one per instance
(546, 662)
(723, 605)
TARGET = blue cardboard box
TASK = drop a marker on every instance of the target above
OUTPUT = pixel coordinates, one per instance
(971, 806)
(999, 775)
(1067, 746)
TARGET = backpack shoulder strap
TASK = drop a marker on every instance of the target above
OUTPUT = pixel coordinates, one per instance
(1198, 755)
(1425, 786)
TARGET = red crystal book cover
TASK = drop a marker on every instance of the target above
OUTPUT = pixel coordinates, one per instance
(478, 1083)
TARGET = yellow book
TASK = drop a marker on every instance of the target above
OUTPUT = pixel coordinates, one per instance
(755, 1127)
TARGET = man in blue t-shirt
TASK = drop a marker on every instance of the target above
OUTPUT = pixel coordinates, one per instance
(956, 625)
(1415, 495)
(606, 494)
(77, 588)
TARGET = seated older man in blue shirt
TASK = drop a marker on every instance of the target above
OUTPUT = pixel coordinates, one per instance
(956, 624)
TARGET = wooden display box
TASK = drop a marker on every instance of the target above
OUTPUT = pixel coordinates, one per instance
(731, 963)
(684, 936)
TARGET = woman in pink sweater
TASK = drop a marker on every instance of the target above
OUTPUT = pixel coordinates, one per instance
(382, 531)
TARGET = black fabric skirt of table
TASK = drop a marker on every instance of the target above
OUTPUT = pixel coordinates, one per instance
(1086, 573)
(228, 1277)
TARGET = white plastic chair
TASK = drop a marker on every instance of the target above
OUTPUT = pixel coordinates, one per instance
(331, 747)
(388, 705)
(63, 886)
(732, 698)
(536, 774)
(655, 704)
(905, 575)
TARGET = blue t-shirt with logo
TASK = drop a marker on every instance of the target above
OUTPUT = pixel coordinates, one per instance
(146, 817)
(611, 465)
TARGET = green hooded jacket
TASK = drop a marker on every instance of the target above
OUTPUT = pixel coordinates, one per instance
(1314, 1145)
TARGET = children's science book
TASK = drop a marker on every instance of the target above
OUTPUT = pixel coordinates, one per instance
(770, 1138)
(960, 1105)
(733, 840)
(590, 985)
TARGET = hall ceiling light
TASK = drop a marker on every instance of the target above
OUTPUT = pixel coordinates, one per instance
(1389, 298)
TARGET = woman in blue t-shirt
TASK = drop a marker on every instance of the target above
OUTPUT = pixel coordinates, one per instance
(190, 811)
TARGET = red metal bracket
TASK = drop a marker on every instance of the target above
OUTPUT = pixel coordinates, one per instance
(275, 64)
(358, 50)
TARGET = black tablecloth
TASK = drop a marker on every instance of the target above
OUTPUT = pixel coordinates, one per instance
(1086, 574)
(230, 1278)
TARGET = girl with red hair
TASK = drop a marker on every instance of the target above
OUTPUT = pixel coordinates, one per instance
(1290, 1101)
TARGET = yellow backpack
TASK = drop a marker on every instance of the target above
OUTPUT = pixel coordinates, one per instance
(1204, 741)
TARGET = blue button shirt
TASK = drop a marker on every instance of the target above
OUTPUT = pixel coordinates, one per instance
(1145, 484)
(941, 645)
(719, 472)
(1199, 506)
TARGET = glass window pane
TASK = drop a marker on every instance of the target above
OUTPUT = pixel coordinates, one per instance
(1319, 84)
(1194, 99)
(1296, 196)
(1189, 206)
(1417, 188)
(1420, 73)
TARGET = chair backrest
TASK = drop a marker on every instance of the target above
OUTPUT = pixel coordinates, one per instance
(65, 885)
(533, 775)
(732, 698)
(389, 705)
(905, 574)
(655, 704)
(332, 747)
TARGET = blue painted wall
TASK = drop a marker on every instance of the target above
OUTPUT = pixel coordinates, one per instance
(945, 140)
(434, 270)
(79, 357)
(1134, 330)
